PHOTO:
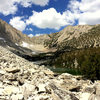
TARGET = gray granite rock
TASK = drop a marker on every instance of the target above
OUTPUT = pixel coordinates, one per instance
(23, 80)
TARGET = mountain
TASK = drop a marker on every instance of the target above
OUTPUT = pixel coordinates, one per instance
(81, 36)
(16, 41)
(77, 37)
(78, 50)
(69, 39)
(10, 34)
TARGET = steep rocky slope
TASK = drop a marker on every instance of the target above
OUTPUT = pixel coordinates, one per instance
(11, 34)
(23, 80)
(15, 38)
(78, 37)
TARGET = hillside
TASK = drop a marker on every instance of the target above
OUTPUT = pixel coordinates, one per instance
(77, 37)
(16, 41)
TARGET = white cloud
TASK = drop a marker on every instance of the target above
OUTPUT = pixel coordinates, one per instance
(90, 5)
(29, 29)
(30, 35)
(10, 6)
(89, 18)
(18, 23)
(39, 34)
(27, 3)
(86, 11)
(91, 12)
(49, 18)
(74, 5)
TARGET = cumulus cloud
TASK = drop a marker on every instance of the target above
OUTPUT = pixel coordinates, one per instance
(39, 34)
(10, 7)
(18, 23)
(29, 29)
(86, 11)
(27, 3)
(89, 18)
(90, 5)
(7, 7)
(90, 12)
(49, 18)
(30, 35)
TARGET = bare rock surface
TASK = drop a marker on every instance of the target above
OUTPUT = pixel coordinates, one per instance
(23, 80)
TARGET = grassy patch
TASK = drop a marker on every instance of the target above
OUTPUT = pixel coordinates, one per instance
(65, 70)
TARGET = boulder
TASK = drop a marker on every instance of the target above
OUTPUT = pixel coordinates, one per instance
(41, 88)
(2, 72)
(17, 97)
(85, 96)
(96, 94)
(12, 70)
(48, 72)
(10, 89)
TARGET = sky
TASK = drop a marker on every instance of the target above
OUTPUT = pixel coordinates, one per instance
(36, 17)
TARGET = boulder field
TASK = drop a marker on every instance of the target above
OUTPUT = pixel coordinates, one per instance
(23, 80)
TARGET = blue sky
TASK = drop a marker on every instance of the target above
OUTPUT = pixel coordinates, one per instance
(35, 17)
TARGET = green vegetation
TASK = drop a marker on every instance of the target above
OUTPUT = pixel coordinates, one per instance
(61, 70)
(90, 66)
(78, 53)
(84, 61)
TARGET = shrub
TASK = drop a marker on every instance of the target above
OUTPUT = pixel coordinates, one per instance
(90, 66)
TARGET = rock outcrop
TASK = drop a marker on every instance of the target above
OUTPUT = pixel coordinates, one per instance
(23, 80)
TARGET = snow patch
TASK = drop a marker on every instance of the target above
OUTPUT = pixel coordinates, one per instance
(16, 44)
(3, 39)
(24, 44)
(38, 34)
(30, 35)
(33, 52)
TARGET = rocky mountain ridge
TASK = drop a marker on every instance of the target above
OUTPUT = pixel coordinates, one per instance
(14, 38)
(81, 36)
(78, 37)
